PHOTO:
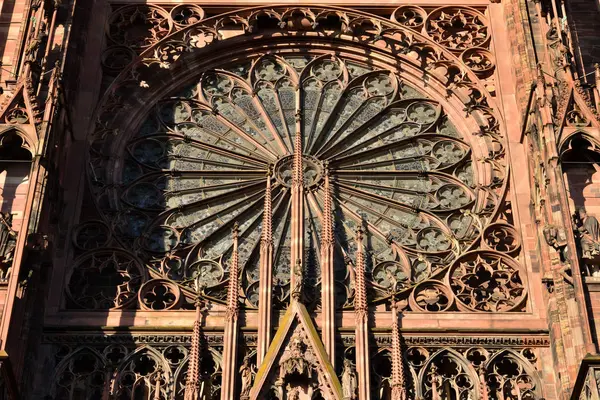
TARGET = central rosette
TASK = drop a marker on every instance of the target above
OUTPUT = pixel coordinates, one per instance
(312, 170)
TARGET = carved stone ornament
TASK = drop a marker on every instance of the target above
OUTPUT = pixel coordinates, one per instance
(296, 365)
(138, 26)
(8, 240)
(457, 28)
(555, 236)
(488, 281)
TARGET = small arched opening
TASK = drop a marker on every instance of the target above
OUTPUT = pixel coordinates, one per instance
(580, 159)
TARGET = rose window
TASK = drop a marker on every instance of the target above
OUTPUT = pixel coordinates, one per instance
(203, 157)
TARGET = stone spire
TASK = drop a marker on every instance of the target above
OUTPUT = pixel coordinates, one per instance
(362, 329)
(267, 228)
(435, 383)
(327, 275)
(192, 383)
(234, 278)
(265, 275)
(398, 377)
(230, 336)
(327, 228)
(360, 296)
(108, 383)
(298, 175)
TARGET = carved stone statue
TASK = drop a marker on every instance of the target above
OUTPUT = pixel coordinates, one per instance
(436, 383)
(297, 288)
(8, 240)
(247, 372)
(588, 228)
(555, 236)
(349, 381)
(394, 285)
(5, 231)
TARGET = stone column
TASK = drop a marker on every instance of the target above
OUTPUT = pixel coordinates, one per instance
(398, 377)
(192, 383)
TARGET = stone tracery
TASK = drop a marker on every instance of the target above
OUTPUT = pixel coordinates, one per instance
(389, 150)
(506, 373)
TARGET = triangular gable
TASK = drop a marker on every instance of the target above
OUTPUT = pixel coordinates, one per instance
(21, 108)
(564, 105)
(583, 103)
(574, 114)
(575, 104)
(296, 339)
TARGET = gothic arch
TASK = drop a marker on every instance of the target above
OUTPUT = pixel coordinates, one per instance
(80, 373)
(141, 372)
(450, 375)
(382, 374)
(14, 133)
(579, 155)
(581, 133)
(378, 38)
(214, 380)
(509, 372)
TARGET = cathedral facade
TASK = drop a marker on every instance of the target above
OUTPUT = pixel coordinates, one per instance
(210, 200)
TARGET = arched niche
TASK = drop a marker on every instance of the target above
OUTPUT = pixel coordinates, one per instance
(580, 160)
(15, 169)
(15, 166)
(209, 371)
